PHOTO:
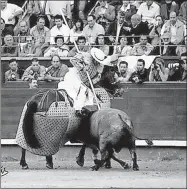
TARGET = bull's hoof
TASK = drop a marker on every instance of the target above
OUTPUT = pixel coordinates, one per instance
(49, 165)
(80, 161)
(108, 165)
(24, 167)
(136, 168)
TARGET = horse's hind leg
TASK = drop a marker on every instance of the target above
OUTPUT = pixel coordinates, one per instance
(49, 162)
(22, 161)
(80, 157)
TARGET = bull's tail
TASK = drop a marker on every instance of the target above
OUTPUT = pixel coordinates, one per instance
(28, 125)
(129, 128)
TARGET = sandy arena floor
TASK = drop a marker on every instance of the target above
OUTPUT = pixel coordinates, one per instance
(159, 168)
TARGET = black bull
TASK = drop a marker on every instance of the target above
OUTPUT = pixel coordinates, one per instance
(107, 130)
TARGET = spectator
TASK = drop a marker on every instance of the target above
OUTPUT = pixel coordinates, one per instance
(182, 12)
(9, 12)
(35, 71)
(41, 33)
(81, 43)
(124, 72)
(130, 9)
(175, 28)
(30, 49)
(59, 49)
(15, 72)
(4, 31)
(149, 10)
(33, 84)
(175, 72)
(123, 48)
(57, 70)
(22, 32)
(167, 6)
(156, 30)
(104, 14)
(91, 30)
(184, 70)
(181, 49)
(158, 71)
(77, 30)
(142, 48)
(101, 44)
(9, 49)
(138, 28)
(118, 28)
(59, 29)
(141, 74)
(53, 8)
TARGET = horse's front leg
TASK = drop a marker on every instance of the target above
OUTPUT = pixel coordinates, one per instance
(23, 161)
(80, 157)
(49, 162)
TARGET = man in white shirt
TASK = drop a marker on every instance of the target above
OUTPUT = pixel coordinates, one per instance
(59, 29)
(53, 8)
(92, 30)
(9, 12)
(149, 10)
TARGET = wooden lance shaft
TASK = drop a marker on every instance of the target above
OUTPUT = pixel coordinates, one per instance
(91, 84)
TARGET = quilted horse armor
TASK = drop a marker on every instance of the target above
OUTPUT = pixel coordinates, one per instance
(55, 117)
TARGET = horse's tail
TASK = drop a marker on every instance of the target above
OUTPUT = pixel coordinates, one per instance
(129, 128)
(28, 125)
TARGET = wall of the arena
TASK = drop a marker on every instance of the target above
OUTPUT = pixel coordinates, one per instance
(158, 110)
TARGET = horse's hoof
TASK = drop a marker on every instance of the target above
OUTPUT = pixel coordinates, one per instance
(126, 166)
(80, 161)
(94, 168)
(136, 168)
(107, 166)
(49, 166)
(25, 167)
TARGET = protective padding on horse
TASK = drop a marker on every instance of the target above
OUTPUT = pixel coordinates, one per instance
(51, 127)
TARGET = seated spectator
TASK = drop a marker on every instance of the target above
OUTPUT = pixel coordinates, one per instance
(33, 84)
(167, 6)
(142, 48)
(149, 10)
(9, 49)
(4, 31)
(130, 9)
(158, 71)
(40, 32)
(175, 28)
(184, 70)
(181, 49)
(15, 72)
(22, 32)
(57, 70)
(141, 74)
(104, 13)
(9, 12)
(101, 44)
(35, 71)
(175, 72)
(124, 72)
(91, 30)
(155, 32)
(59, 49)
(182, 12)
(30, 49)
(137, 28)
(59, 29)
(77, 30)
(81, 43)
(166, 48)
(53, 8)
(123, 48)
(118, 28)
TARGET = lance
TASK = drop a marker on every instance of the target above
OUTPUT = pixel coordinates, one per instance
(91, 84)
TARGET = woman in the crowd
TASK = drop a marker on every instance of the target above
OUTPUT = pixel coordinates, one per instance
(101, 44)
(76, 31)
(158, 71)
(123, 48)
